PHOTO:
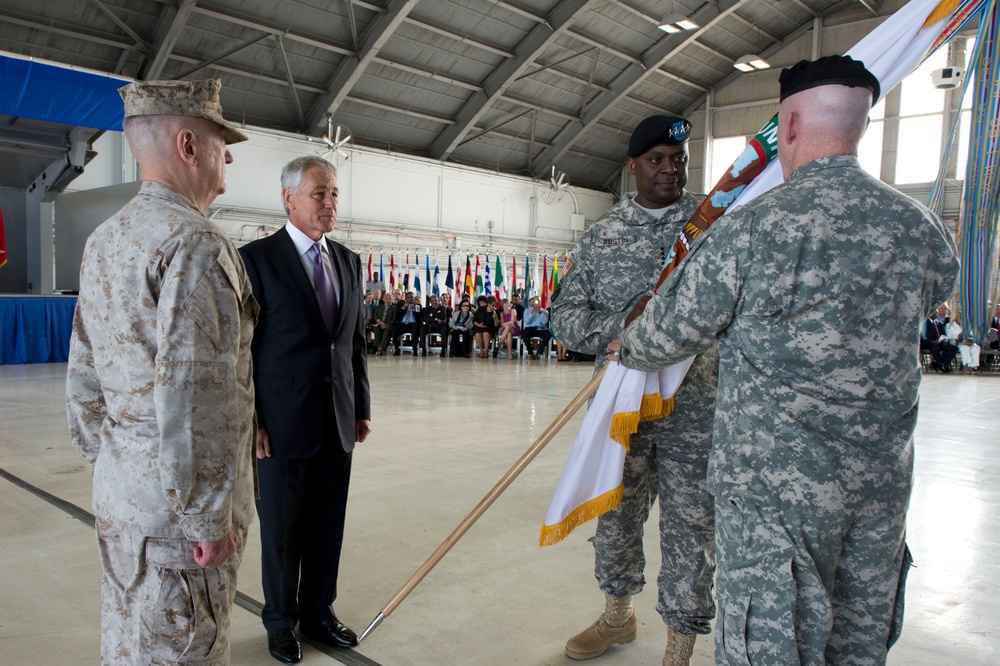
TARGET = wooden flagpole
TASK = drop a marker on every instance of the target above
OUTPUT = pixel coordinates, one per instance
(485, 503)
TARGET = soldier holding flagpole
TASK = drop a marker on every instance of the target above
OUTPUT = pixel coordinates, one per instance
(612, 272)
(811, 291)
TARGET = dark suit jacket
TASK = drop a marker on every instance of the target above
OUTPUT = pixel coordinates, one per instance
(301, 372)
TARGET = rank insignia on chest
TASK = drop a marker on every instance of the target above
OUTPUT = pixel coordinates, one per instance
(621, 240)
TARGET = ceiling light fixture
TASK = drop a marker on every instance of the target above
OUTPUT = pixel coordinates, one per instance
(675, 23)
(750, 62)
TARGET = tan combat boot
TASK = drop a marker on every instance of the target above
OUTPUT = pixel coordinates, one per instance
(616, 625)
(679, 648)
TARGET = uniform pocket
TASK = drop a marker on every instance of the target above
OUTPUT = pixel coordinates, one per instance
(896, 623)
(758, 615)
(182, 606)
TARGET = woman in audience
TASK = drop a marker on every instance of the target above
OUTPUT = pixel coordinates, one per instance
(461, 330)
(509, 328)
(384, 317)
(484, 325)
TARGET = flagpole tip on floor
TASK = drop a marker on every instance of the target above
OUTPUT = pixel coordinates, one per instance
(371, 627)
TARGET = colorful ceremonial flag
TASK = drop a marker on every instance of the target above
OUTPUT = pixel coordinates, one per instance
(513, 274)
(392, 271)
(498, 276)
(543, 286)
(592, 481)
(381, 272)
(427, 278)
(527, 278)
(478, 278)
(554, 280)
(437, 276)
(449, 281)
(469, 284)
(488, 285)
(406, 278)
(3, 242)
(369, 276)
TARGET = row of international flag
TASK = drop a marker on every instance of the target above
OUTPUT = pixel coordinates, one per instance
(480, 276)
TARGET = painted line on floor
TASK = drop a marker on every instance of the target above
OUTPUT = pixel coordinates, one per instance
(349, 657)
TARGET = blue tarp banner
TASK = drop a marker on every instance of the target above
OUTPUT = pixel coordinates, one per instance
(35, 329)
(36, 90)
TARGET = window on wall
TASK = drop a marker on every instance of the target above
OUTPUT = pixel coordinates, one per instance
(870, 148)
(921, 121)
(724, 153)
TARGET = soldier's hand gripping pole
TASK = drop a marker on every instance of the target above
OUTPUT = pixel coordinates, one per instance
(485, 503)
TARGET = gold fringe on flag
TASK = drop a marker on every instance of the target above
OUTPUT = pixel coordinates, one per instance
(553, 534)
(944, 9)
(623, 424)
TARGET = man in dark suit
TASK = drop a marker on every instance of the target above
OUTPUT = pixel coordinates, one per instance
(934, 341)
(311, 378)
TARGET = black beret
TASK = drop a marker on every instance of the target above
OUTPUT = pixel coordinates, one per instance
(831, 70)
(658, 131)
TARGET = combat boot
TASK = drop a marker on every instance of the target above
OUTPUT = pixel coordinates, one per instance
(679, 648)
(616, 625)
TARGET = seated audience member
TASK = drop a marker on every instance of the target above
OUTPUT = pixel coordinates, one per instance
(509, 328)
(967, 348)
(482, 325)
(408, 320)
(384, 318)
(934, 340)
(535, 324)
(434, 321)
(461, 330)
(515, 302)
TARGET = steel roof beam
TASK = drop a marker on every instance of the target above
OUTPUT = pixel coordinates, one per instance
(174, 20)
(624, 83)
(539, 38)
(747, 22)
(532, 104)
(274, 30)
(640, 13)
(430, 27)
(75, 31)
(468, 85)
(587, 39)
(141, 44)
(680, 79)
(352, 68)
(397, 109)
(771, 50)
(520, 11)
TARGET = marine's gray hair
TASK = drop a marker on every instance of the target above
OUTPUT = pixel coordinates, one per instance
(294, 171)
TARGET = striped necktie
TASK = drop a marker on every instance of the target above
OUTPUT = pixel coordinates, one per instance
(324, 288)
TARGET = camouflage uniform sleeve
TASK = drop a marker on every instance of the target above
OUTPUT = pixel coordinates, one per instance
(84, 396)
(576, 321)
(696, 302)
(195, 388)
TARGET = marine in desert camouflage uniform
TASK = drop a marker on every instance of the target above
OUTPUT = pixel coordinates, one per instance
(614, 268)
(159, 388)
(815, 292)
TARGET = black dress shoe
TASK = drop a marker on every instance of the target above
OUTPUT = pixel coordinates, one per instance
(332, 631)
(284, 646)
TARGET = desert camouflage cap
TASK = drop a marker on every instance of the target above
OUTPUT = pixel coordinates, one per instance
(179, 98)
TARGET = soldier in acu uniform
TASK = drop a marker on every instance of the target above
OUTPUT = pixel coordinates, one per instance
(613, 271)
(159, 388)
(814, 292)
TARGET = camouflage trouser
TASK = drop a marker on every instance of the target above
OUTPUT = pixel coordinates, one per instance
(667, 460)
(158, 606)
(808, 584)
